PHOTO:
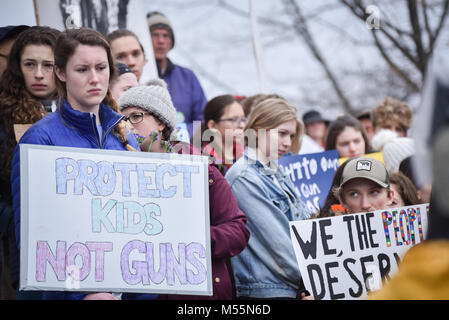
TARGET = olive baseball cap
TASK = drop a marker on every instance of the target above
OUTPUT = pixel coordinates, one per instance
(366, 168)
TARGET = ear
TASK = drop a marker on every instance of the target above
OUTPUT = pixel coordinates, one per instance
(161, 125)
(390, 198)
(211, 124)
(342, 202)
(60, 74)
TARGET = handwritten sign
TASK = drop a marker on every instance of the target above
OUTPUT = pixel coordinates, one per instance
(345, 257)
(312, 175)
(114, 221)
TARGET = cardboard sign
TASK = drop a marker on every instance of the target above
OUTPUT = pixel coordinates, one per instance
(20, 129)
(346, 256)
(312, 175)
(114, 221)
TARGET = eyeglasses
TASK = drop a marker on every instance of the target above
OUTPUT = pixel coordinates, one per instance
(136, 118)
(236, 121)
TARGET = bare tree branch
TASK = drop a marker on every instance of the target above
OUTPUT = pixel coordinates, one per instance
(300, 26)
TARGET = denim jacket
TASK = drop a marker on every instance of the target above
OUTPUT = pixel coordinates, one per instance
(267, 267)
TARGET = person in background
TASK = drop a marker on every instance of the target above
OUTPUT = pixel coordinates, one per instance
(223, 123)
(392, 114)
(127, 49)
(365, 119)
(394, 149)
(267, 267)
(150, 109)
(26, 82)
(8, 35)
(86, 117)
(347, 136)
(126, 79)
(364, 186)
(404, 192)
(316, 126)
(184, 87)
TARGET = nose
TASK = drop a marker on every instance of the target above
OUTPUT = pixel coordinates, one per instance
(366, 204)
(287, 141)
(39, 74)
(93, 77)
(130, 61)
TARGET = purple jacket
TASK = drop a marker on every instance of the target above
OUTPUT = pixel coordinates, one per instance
(229, 236)
(186, 92)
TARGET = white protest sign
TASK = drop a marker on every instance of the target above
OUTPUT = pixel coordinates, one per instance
(114, 221)
(346, 256)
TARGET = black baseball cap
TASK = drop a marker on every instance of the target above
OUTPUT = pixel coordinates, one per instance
(313, 116)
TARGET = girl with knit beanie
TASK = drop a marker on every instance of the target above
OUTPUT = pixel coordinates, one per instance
(150, 111)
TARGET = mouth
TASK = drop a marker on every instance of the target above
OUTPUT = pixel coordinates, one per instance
(39, 86)
(94, 91)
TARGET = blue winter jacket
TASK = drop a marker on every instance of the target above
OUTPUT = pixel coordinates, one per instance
(186, 92)
(267, 267)
(70, 128)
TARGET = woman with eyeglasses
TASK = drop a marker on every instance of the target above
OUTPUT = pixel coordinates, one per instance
(86, 117)
(222, 131)
(27, 81)
(150, 111)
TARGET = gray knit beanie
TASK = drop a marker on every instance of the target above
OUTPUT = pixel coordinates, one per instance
(157, 20)
(153, 97)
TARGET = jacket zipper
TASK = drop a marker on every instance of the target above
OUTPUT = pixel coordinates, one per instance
(94, 126)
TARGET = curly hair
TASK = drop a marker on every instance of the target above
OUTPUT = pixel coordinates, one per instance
(392, 110)
(17, 105)
(66, 45)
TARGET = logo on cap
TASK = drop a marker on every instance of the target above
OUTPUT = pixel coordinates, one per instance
(363, 165)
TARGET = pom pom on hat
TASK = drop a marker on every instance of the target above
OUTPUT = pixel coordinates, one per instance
(394, 149)
(154, 98)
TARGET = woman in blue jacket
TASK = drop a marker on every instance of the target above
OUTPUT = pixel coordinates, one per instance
(87, 114)
(267, 267)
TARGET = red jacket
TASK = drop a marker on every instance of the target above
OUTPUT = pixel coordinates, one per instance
(229, 236)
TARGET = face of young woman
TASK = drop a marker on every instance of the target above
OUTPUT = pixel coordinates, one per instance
(123, 83)
(231, 123)
(363, 195)
(86, 77)
(396, 200)
(146, 125)
(279, 140)
(37, 63)
(350, 143)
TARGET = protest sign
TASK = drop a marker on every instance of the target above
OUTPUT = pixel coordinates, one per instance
(346, 256)
(312, 175)
(114, 221)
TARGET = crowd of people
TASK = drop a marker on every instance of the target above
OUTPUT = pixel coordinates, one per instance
(93, 83)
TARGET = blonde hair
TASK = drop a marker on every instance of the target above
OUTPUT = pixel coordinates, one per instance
(392, 110)
(269, 114)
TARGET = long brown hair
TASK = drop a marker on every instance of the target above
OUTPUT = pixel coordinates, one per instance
(338, 125)
(65, 48)
(17, 105)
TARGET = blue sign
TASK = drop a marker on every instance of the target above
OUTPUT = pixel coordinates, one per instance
(312, 175)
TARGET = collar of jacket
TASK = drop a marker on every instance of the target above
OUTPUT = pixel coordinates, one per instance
(273, 169)
(168, 70)
(83, 120)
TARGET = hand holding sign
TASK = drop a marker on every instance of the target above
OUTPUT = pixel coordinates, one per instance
(344, 257)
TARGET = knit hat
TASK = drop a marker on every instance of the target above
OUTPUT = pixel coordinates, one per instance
(157, 20)
(366, 168)
(394, 149)
(155, 98)
(10, 32)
